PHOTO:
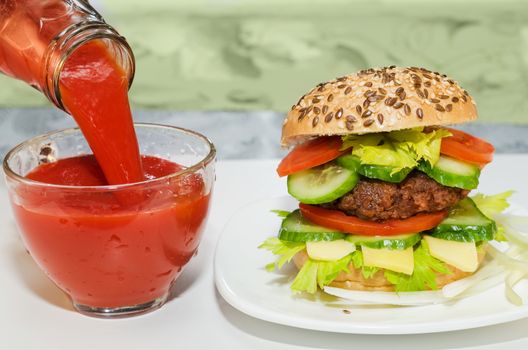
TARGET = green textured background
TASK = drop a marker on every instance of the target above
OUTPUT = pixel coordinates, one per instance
(260, 55)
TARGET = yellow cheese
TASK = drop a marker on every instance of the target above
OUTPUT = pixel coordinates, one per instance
(390, 259)
(462, 255)
(329, 251)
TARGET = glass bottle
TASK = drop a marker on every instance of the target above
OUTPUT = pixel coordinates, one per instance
(38, 36)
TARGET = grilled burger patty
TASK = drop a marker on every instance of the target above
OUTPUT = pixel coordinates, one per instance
(378, 200)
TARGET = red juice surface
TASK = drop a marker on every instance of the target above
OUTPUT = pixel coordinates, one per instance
(108, 252)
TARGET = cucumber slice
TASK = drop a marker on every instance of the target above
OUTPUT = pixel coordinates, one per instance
(465, 223)
(372, 171)
(321, 184)
(453, 173)
(295, 228)
(399, 242)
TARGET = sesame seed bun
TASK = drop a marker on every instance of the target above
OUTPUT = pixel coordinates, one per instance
(378, 100)
(354, 279)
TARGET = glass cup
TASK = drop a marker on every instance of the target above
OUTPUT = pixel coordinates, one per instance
(115, 250)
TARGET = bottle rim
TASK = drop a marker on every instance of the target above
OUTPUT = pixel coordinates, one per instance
(70, 39)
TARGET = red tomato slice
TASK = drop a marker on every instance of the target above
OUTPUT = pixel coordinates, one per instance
(338, 220)
(467, 148)
(310, 154)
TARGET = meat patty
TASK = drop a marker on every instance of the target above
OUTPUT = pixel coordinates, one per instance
(378, 200)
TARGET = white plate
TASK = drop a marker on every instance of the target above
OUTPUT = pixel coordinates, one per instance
(244, 283)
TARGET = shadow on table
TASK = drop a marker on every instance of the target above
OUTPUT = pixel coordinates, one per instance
(491, 335)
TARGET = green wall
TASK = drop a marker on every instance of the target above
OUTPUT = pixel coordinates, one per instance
(248, 54)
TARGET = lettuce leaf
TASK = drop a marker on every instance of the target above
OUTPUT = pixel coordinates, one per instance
(366, 271)
(313, 272)
(285, 251)
(423, 276)
(398, 149)
(318, 273)
(493, 205)
(281, 213)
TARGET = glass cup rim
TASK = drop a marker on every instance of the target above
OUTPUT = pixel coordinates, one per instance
(189, 170)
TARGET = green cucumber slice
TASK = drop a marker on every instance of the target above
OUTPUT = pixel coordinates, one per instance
(465, 223)
(398, 242)
(452, 172)
(372, 171)
(321, 184)
(295, 228)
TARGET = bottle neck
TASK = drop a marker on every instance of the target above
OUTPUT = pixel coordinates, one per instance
(73, 37)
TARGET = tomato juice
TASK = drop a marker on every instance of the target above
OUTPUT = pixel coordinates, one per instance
(101, 251)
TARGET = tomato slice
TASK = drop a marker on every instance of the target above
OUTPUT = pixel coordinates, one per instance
(337, 220)
(310, 154)
(467, 148)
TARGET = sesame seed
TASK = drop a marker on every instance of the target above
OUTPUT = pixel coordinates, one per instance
(347, 90)
(368, 83)
(366, 114)
(426, 93)
(315, 121)
(449, 107)
(358, 109)
(366, 103)
(330, 98)
(342, 86)
(349, 125)
(435, 100)
(419, 113)
(315, 100)
(339, 113)
(464, 98)
(380, 119)
(399, 90)
(420, 93)
(368, 122)
(444, 97)
(325, 109)
(390, 101)
(439, 107)
(351, 118)
(329, 117)
(455, 99)
(397, 105)
(317, 110)
(382, 91)
(407, 109)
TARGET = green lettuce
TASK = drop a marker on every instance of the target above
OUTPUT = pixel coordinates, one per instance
(493, 205)
(397, 149)
(313, 272)
(423, 276)
(366, 271)
(285, 251)
(281, 213)
(318, 273)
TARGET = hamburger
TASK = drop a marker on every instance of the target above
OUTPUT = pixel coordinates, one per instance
(383, 184)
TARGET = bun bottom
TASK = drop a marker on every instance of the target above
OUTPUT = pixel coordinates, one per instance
(354, 280)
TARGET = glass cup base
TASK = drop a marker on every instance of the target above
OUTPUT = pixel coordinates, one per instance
(122, 311)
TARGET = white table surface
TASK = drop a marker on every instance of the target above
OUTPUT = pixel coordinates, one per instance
(35, 314)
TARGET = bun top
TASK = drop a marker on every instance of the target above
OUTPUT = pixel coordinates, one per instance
(378, 100)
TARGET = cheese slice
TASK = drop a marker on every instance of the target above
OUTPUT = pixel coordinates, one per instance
(462, 255)
(329, 250)
(390, 259)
